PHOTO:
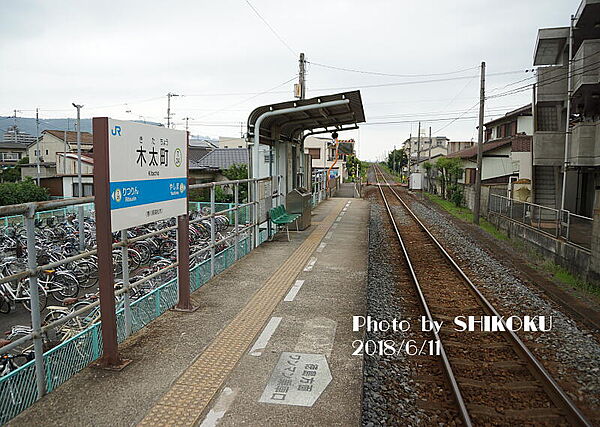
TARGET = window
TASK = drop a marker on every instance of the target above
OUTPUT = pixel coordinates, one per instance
(10, 157)
(36, 152)
(488, 134)
(239, 146)
(547, 118)
(88, 189)
(46, 152)
(469, 175)
(268, 158)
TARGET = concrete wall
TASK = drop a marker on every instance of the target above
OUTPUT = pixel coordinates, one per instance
(548, 148)
(586, 59)
(469, 195)
(584, 147)
(577, 261)
(554, 87)
(594, 270)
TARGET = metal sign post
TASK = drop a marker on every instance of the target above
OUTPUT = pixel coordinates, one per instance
(184, 302)
(140, 176)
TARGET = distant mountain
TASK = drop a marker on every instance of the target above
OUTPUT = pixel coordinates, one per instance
(27, 125)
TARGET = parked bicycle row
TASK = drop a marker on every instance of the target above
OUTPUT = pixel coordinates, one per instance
(73, 285)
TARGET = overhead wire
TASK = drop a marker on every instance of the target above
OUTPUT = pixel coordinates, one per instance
(271, 28)
(376, 73)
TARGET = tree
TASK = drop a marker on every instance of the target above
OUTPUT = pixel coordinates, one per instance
(353, 165)
(451, 170)
(396, 160)
(13, 173)
(235, 172)
(428, 167)
(12, 193)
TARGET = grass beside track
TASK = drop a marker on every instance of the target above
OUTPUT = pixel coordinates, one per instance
(466, 215)
(558, 273)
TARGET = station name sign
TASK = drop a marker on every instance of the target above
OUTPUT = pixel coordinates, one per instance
(147, 173)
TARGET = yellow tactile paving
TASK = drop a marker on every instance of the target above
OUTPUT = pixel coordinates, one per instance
(185, 402)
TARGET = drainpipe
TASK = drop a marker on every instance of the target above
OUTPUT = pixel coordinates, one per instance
(567, 132)
(255, 147)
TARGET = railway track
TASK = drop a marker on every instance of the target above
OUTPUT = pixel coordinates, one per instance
(494, 378)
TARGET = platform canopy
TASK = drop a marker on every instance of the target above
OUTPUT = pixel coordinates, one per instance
(288, 126)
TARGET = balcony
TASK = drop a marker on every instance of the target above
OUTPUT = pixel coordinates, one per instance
(553, 84)
(548, 148)
(584, 147)
(586, 66)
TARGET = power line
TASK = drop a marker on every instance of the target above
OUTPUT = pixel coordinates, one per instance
(439, 119)
(376, 73)
(549, 80)
(248, 99)
(426, 113)
(271, 28)
(414, 82)
(457, 118)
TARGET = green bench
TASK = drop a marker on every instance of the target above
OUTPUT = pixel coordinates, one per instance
(281, 218)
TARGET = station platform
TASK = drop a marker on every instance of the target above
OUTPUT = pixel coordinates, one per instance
(271, 343)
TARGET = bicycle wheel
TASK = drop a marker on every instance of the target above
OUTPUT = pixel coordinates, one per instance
(86, 273)
(66, 286)
(4, 305)
(42, 295)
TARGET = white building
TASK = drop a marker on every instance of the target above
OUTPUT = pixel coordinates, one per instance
(322, 152)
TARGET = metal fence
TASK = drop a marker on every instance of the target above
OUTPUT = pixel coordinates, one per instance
(573, 228)
(22, 387)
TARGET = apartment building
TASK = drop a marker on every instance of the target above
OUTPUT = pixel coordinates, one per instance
(580, 131)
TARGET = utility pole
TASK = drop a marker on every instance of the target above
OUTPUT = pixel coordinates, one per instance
(15, 126)
(66, 149)
(408, 160)
(169, 95)
(186, 122)
(477, 207)
(419, 159)
(567, 131)
(37, 145)
(429, 160)
(301, 77)
(79, 182)
(394, 167)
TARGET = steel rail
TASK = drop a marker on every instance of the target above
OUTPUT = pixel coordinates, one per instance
(464, 413)
(555, 388)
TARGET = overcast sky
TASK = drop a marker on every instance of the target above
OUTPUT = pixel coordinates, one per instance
(121, 58)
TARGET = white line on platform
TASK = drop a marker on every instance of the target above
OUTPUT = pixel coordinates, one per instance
(321, 247)
(221, 406)
(265, 336)
(311, 264)
(294, 291)
(338, 219)
(345, 208)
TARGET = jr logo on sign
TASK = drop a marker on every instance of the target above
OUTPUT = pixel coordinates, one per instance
(116, 131)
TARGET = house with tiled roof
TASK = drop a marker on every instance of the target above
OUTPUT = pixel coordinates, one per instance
(211, 166)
